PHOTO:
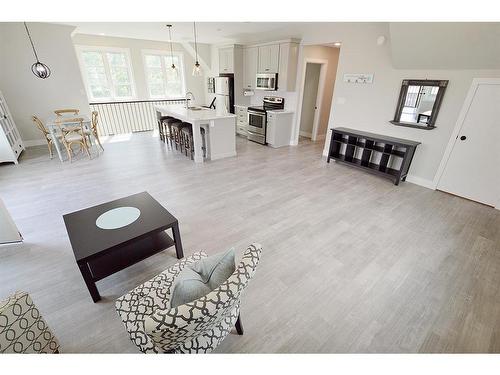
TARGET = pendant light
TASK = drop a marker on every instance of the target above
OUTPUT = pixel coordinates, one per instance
(38, 68)
(196, 68)
(172, 67)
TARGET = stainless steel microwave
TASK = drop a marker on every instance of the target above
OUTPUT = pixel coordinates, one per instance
(266, 81)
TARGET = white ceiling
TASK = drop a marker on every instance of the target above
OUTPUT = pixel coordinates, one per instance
(413, 45)
(208, 32)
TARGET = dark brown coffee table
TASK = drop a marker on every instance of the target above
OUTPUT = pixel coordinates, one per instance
(102, 252)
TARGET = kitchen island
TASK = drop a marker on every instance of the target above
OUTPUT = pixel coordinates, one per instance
(219, 127)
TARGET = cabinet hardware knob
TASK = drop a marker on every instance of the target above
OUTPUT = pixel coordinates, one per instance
(463, 138)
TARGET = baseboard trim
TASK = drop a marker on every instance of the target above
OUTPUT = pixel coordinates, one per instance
(35, 142)
(223, 155)
(305, 134)
(421, 182)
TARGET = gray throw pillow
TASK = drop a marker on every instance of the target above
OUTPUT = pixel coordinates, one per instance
(200, 278)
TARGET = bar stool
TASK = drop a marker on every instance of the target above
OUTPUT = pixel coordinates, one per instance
(203, 141)
(160, 120)
(168, 126)
(187, 138)
(176, 127)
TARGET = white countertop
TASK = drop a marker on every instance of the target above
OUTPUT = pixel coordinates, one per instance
(280, 111)
(180, 112)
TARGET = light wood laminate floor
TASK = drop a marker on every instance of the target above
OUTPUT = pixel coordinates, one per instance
(351, 263)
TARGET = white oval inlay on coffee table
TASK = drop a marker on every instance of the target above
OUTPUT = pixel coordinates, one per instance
(118, 217)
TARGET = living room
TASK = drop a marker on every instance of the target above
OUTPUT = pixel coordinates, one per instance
(157, 194)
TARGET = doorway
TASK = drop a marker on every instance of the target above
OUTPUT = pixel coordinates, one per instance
(311, 100)
(470, 165)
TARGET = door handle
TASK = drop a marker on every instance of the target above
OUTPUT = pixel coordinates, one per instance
(463, 138)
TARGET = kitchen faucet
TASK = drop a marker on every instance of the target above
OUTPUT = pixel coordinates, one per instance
(189, 93)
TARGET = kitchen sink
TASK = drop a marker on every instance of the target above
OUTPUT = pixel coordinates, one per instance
(195, 108)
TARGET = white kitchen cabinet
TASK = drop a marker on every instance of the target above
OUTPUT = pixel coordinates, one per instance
(11, 144)
(279, 128)
(241, 120)
(287, 74)
(250, 63)
(269, 58)
(226, 60)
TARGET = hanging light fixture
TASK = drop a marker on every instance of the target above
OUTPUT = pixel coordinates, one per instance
(196, 68)
(172, 67)
(38, 68)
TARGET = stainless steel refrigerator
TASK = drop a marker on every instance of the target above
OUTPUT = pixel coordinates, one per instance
(224, 93)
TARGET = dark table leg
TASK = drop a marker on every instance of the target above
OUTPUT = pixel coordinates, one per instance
(177, 240)
(87, 276)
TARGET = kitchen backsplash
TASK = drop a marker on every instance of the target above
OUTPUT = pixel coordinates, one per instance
(290, 98)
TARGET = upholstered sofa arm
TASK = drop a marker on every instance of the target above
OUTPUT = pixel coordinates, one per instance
(22, 328)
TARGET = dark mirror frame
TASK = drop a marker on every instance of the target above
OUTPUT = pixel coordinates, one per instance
(442, 84)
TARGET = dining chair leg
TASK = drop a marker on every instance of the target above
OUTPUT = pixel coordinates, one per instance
(49, 144)
(68, 150)
(86, 147)
(160, 130)
(98, 141)
(176, 138)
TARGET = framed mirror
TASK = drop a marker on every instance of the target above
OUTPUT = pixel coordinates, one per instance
(419, 102)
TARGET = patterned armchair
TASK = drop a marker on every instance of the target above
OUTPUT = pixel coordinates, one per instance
(195, 327)
(22, 328)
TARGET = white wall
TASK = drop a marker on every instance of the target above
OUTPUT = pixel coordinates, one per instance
(194, 84)
(447, 45)
(370, 107)
(28, 95)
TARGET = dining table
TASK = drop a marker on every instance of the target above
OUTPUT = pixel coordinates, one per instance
(53, 124)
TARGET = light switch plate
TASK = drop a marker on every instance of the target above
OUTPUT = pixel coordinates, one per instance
(358, 77)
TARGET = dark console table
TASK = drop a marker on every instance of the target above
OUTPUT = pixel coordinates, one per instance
(378, 154)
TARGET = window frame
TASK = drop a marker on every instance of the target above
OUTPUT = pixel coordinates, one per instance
(103, 50)
(182, 72)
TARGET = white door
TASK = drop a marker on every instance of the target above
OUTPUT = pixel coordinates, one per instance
(473, 168)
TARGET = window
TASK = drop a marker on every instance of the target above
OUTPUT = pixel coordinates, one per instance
(106, 73)
(161, 80)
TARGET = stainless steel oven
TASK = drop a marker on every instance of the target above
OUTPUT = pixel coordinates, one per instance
(257, 125)
(257, 118)
(266, 81)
